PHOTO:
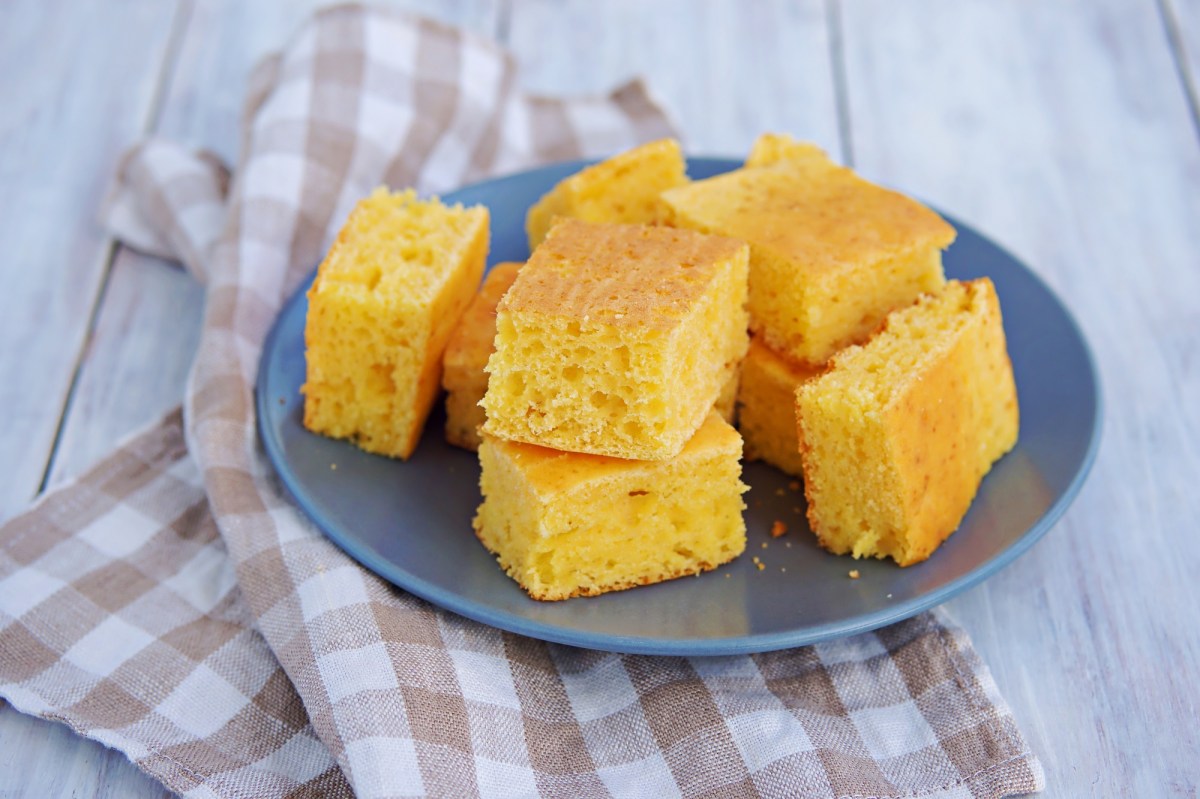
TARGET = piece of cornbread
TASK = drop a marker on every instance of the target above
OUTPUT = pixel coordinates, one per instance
(624, 188)
(897, 435)
(565, 524)
(772, 148)
(380, 311)
(617, 339)
(467, 353)
(726, 404)
(830, 253)
(767, 406)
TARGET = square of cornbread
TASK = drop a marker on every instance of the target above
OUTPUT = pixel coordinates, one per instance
(380, 312)
(830, 253)
(898, 433)
(624, 188)
(767, 406)
(467, 354)
(565, 524)
(617, 339)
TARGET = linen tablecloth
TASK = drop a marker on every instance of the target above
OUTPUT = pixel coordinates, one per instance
(173, 604)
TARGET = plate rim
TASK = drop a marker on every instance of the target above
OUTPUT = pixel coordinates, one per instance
(409, 581)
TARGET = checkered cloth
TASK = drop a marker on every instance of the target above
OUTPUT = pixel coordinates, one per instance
(172, 604)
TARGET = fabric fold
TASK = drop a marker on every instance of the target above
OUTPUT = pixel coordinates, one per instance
(173, 603)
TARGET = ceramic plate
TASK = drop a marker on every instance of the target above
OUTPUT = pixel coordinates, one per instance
(410, 522)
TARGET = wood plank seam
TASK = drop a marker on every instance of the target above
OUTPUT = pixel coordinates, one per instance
(154, 110)
(1176, 47)
(837, 60)
(504, 13)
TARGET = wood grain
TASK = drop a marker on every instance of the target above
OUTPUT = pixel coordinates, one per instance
(78, 88)
(138, 360)
(726, 71)
(1181, 18)
(1062, 131)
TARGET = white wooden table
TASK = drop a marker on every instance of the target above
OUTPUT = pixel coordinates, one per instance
(1066, 130)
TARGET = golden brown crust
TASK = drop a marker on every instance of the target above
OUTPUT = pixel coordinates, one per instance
(822, 218)
(623, 275)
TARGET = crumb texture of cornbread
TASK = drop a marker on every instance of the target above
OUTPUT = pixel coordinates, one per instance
(830, 253)
(617, 339)
(380, 312)
(467, 354)
(566, 524)
(767, 406)
(624, 188)
(897, 435)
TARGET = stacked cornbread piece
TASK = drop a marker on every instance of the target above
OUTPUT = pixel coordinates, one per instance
(604, 463)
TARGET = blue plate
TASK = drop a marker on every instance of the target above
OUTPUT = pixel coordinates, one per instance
(410, 522)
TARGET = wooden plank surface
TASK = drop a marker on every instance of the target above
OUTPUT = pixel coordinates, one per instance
(1060, 129)
(57, 149)
(725, 71)
(1181, 18)
(78, 89)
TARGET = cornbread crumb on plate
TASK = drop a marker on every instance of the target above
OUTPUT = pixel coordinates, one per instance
(624, 188)
(898, 434)
(567, 524)
(466, 357)
(830, 253)
(617, 339)
(380, 311)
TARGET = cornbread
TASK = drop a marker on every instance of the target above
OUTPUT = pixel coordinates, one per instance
(624, 188)
(767, 407)
(726, 404)
(380, 312)
(830, 253)
(616, 339)
(467, 353)
(773, 148)
(897, 435)
(565, 524)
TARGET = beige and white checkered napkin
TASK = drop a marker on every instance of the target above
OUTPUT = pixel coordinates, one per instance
(172, 604)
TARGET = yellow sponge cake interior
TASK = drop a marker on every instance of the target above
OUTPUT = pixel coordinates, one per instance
(566, 524)
(380, 312)
(898, 433)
